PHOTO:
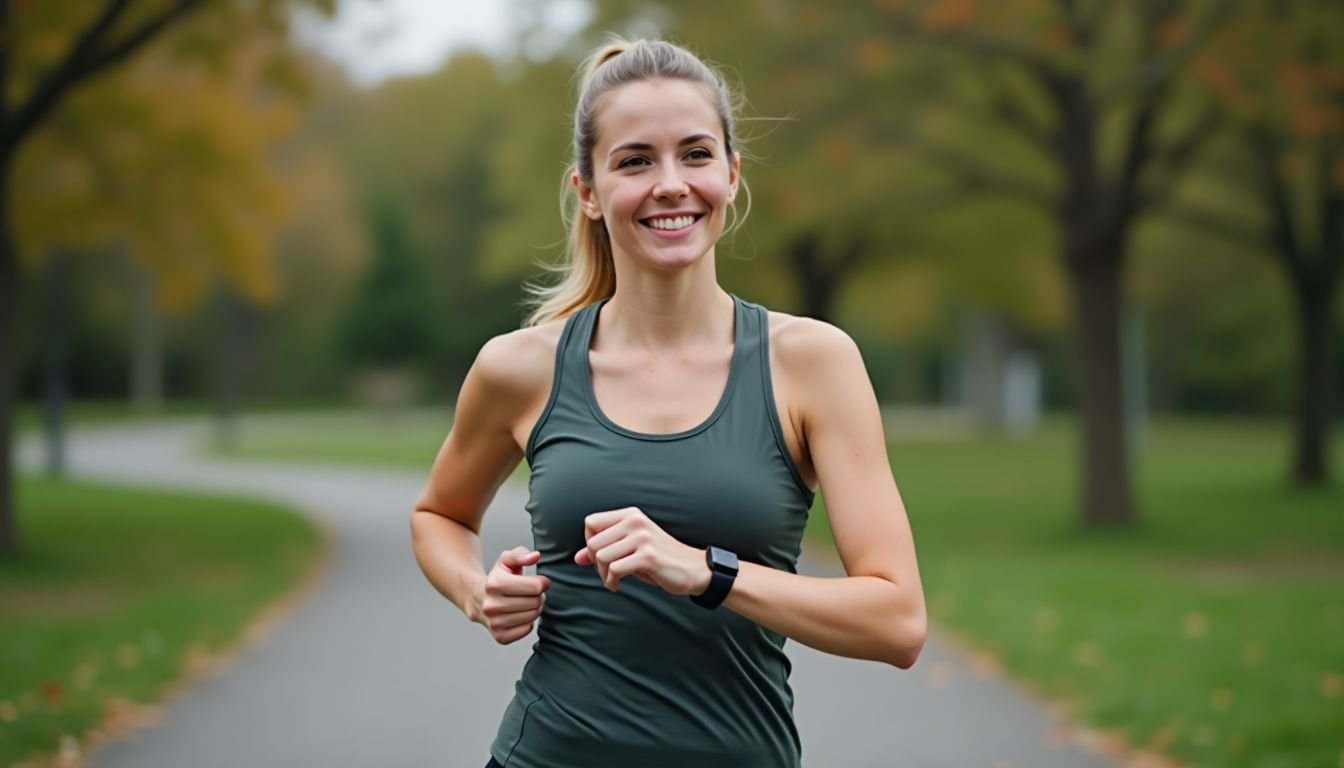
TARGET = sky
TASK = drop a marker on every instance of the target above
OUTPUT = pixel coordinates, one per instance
(378, 39)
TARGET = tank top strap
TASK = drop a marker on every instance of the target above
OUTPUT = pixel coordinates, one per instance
(749, 345)
(567, 380)
(754, 396)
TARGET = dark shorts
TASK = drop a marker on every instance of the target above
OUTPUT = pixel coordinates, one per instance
(493, 763)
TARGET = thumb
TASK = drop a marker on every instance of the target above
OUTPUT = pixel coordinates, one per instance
(518, 558)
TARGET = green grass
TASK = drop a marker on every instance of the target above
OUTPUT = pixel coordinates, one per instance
(115, 592)
(1213, 631)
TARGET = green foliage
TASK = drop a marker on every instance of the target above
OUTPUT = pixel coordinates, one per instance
(387, 323)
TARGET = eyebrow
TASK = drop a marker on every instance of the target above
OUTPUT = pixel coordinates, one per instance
(635, 145)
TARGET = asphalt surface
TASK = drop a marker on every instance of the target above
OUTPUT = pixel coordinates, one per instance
(373, 668)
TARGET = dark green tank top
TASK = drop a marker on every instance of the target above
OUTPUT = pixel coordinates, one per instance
(640, 677)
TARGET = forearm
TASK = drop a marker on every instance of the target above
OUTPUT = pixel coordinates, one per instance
(863, 617)
(449, 554)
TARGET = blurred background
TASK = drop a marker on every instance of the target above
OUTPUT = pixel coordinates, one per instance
(1091, 252)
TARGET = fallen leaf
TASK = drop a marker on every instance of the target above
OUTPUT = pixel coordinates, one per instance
(1195, 625)
(1252, 654)
(1332, 685)
(1087, 654)
(128, 656)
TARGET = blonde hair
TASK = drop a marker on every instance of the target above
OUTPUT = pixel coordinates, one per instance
(588, 273)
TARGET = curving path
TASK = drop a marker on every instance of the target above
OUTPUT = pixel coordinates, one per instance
(373, 668)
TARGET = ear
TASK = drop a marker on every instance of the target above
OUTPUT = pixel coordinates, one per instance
(734, 173)
(587, 201)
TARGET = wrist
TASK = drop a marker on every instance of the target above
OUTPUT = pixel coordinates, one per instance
(701, 573)
(473, 606)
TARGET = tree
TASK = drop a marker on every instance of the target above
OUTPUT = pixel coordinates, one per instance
(48, 51)
(1094, 87)
(1278, 73)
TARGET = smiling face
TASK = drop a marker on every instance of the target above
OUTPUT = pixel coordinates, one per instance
(662, 176)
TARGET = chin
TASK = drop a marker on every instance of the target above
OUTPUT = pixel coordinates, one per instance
(674, 262)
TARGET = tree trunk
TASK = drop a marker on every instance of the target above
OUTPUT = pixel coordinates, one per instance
(9, 367)
(1105, 487)
(1316, 383)
(988, 345)
(819, 277)
(146, 344)
(816, 284)
(55, 344)
(226, 368)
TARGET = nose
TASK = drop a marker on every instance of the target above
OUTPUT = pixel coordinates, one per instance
(670, 184)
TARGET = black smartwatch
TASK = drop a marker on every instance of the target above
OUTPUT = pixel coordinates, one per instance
(722, 572)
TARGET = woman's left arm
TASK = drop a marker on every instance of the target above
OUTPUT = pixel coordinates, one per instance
(877, 610)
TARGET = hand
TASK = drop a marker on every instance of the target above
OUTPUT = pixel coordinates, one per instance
(625, 542)
(509, 600)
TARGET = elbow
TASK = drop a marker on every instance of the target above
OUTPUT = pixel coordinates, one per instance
(908, 641)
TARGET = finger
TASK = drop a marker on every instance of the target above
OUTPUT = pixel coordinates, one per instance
(518, 558)
(616, 550)
(511, 620)
(583, 557)
(516, 586)
(626, 566)
(610, 535)
(513, 635)
(600, 521)
(495, 606)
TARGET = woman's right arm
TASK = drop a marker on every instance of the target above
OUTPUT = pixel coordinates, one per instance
(503, 386)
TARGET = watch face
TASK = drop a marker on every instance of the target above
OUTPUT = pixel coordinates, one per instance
(722, 560)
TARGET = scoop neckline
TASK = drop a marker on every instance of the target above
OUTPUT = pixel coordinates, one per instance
(734, 365)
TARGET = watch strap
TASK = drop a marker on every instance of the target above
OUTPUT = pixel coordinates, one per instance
(721, 579)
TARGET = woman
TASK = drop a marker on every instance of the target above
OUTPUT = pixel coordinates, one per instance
(675, 434)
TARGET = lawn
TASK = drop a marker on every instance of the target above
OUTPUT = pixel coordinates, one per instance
(118, 594)
(1213, 631)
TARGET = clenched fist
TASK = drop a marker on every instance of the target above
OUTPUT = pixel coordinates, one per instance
(625, 542)
(510, 601)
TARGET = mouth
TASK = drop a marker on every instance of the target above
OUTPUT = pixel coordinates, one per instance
(671, 225)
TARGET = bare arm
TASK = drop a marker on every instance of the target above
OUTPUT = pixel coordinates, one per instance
(480, 452)
(877, 611)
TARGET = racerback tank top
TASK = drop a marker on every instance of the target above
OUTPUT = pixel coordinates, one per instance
(640, 677)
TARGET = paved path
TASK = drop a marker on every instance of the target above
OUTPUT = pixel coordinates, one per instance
(375, 669)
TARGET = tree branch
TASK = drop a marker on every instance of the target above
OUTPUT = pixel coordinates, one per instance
(6, 45)
(1173, 159)
(978, 45)
(1139, 146)
(1011, 113)
(985, 179)
(89, 54)
(1216, 223)
(1161, 66)
(1332, 208)
(1272, 189)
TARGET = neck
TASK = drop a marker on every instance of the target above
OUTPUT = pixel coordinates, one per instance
(659, 310)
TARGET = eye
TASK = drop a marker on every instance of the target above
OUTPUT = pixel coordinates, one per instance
(699, 153)
(633, 161)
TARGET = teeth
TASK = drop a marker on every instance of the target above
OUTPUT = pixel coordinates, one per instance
(680, 222)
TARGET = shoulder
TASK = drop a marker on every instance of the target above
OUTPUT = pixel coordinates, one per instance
(819, 372)
(521, 362)
(802, 345)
